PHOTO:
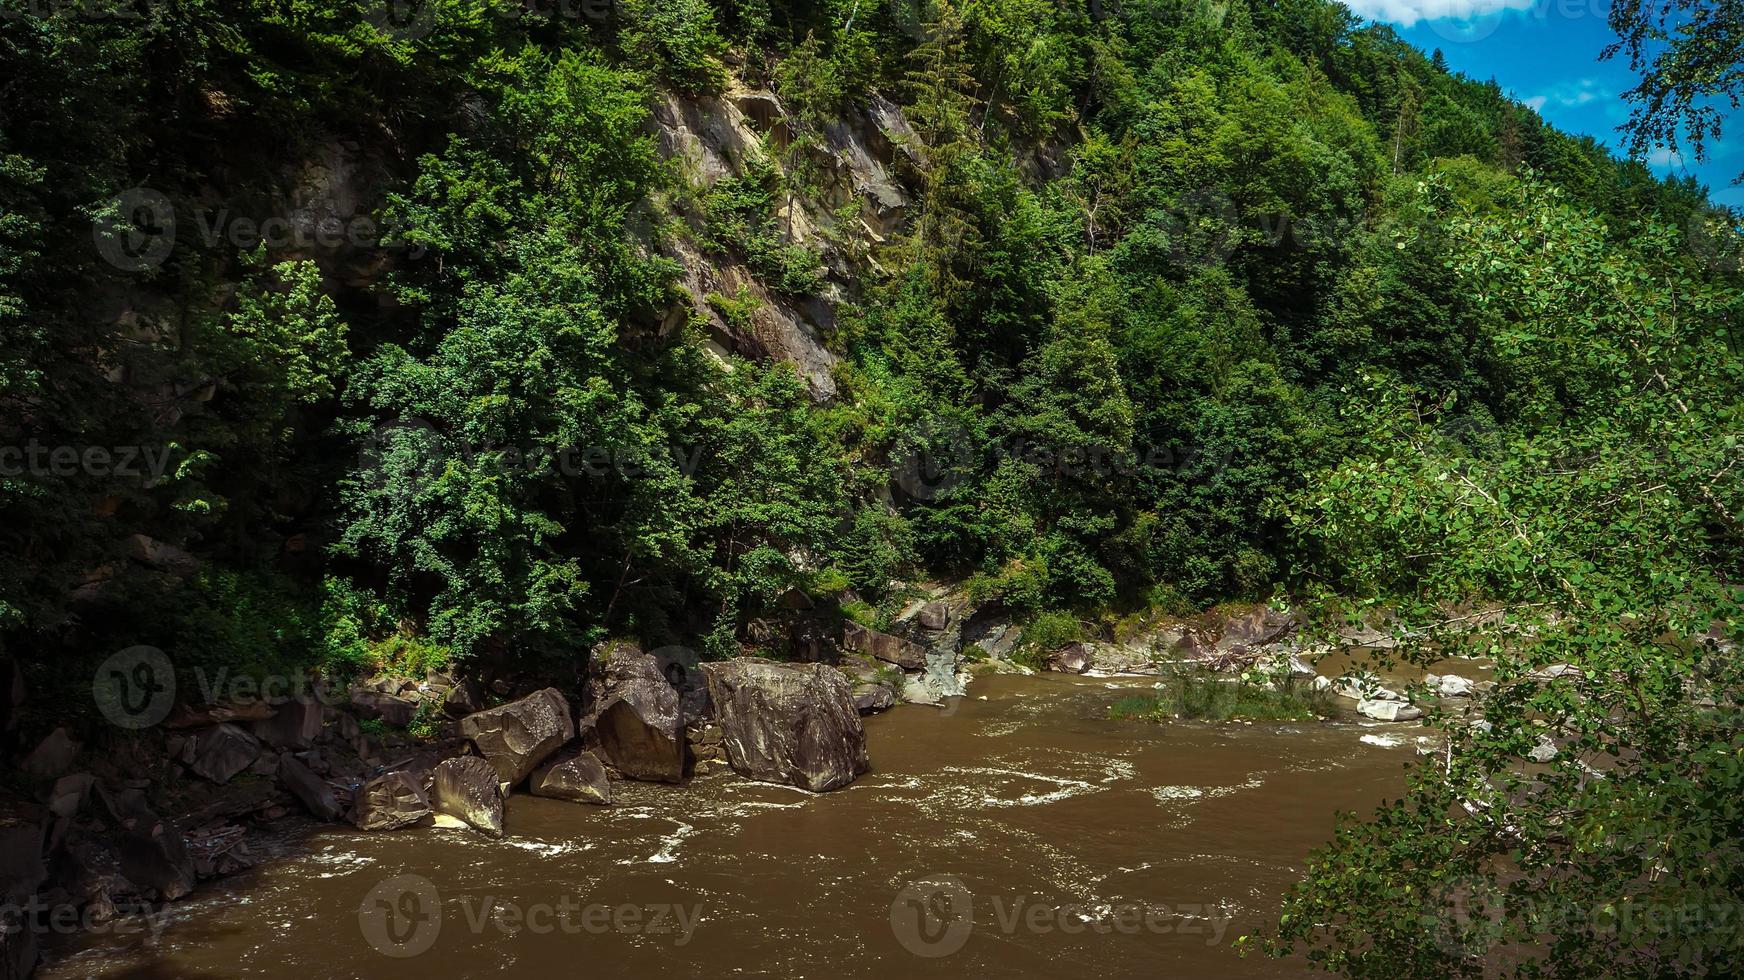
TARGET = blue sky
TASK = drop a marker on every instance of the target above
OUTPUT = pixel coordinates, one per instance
(1546, 54)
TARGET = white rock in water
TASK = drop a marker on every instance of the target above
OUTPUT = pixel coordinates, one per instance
(1544, 751)
(1451, 686)
(1388, 710)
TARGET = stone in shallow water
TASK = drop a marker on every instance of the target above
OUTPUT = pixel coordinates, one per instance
(788, 723)
(1389, 710)
(467, 788)
(872, 697)
(580, 778)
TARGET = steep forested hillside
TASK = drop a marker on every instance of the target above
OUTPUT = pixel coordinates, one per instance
(341, 331)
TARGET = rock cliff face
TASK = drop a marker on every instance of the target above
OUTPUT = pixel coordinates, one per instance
(854, 157)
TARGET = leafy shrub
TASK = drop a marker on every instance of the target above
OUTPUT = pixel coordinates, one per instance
(1051, 631)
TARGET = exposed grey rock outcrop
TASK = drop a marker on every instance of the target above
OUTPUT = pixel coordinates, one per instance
(891, 649)
(788, 723)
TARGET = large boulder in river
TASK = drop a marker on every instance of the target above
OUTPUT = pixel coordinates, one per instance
(891, 649)
(580, 778)
(466, 788)
(871, 697)
(390, 802)
(517, 736)
(1389, 710)
(788, 723)
(634, 713)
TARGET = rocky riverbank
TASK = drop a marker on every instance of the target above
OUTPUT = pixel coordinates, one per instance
(104, 831)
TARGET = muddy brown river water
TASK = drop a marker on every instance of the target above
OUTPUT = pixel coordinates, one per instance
(1019, 832)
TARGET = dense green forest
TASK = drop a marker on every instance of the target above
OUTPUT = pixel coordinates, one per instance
(1157, 259)
(1191, 302)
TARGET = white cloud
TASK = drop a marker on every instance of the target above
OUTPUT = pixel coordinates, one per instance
(1408, 12)
(1663, 157)
(1578, 92)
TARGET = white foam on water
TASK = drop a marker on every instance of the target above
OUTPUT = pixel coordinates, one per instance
(1066, 788)
(546, 849)
(1384, 741)
(1177, 792)
(668, 845)
(341, 862)
(1169, 794)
